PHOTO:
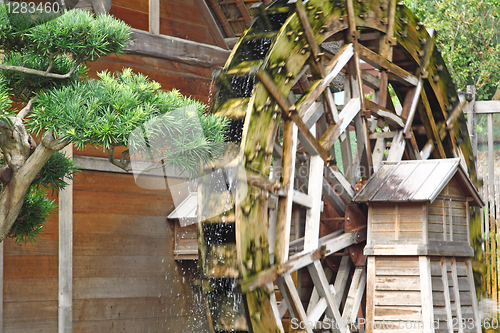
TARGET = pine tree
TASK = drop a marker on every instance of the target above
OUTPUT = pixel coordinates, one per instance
(42, 72)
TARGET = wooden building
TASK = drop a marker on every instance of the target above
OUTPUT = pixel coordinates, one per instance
(106, 261)
(419, 274)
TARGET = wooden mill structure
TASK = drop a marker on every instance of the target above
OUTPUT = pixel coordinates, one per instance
(292, 161)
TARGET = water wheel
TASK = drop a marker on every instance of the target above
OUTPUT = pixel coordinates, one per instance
(294, 153)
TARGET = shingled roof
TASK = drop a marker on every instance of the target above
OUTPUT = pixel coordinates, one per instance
(417, 180)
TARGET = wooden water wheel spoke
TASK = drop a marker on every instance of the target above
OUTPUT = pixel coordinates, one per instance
(277, 90)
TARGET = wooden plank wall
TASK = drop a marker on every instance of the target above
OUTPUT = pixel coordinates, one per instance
(31, 283)
(125, 275)
(440, 299)
(439, 211)
(396, 223)
(396, 295)
(178, 18)
(189, 80)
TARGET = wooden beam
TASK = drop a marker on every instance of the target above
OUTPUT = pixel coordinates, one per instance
(214, 4)
(176, 49)
(434, 135)
(154, 17)
(65, 303)
(354, 296)
(310, 142)
(331, 70)
(211, 24)
(327, 245)
(487, 106)
(426, 294)
(331, 135)
(473, 297)
(311, 233)
(283, 222)
(243, 11)
(456, 292)
(291, 297)
(370, 80)
(323, 287)
(394, 70)
(446, 293)
(379, 111)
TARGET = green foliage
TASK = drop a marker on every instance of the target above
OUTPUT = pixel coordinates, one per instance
(29, 224)
(40, 42)
(55, 172)
(106, 112)
(37, 207)
(5, 103)
(468, 36)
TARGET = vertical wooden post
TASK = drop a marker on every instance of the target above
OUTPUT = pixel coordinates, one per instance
(65, 315)
(426, 293)
(446, 293)
(456, 292)
(471, 119)
(370, 294)
(154, 16)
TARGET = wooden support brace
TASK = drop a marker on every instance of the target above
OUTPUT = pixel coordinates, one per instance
(354, 296)
(446, 292)
(456, 292)
(323, 287)
(394, 71)
(289, 112)
(285, 203)
(390, 117)
(327, 246)
(472, 291)
(311, 234)
(292, 299)
(331, 70)
(426, 294)
(331, 135)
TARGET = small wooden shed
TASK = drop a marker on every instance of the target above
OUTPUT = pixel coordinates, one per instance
(419, 275)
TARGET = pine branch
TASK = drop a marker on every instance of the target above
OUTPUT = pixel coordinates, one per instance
(121, 163)
(26, 110)
(40, 73)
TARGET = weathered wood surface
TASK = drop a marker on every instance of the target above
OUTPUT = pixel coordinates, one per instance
(176, 49)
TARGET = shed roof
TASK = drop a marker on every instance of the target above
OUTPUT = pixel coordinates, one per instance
(416, 180)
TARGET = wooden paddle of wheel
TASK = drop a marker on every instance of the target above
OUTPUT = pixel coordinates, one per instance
(244, 237)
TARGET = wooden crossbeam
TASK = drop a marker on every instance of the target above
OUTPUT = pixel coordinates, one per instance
(356, 291)
(327, 246)
(292, 299)
(293, 114)
(434, 135)
(370, 80)
(379, 111)
(311, 39)
(331, 135)
(311, 233)
(317, 309)
(340, 183)
(333, 199)
(394, 70)
(410, 105)
(323, 287)
(332, 69)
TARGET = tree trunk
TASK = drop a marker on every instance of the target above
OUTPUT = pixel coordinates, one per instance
(14, 192)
